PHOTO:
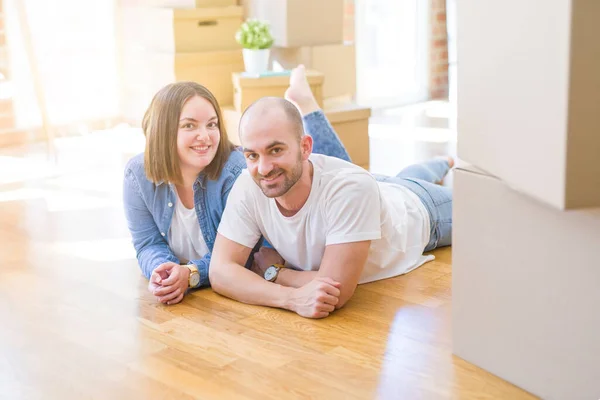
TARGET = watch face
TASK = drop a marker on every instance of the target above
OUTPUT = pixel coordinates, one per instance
(271, 273)
(194, 279)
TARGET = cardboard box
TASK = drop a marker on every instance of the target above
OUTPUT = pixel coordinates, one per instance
(525, 288)
(181, 30)
(337, 62)
(232, 123)
(301, 22)
(529, 96)
(351, 123)
(179, 3)
(248, 89)
(145, 73)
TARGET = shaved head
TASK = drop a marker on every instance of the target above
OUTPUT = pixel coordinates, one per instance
(271, 110)
(274, 145)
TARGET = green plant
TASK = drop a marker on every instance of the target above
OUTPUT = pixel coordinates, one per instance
(255, 35)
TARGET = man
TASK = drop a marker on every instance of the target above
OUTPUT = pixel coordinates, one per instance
(332, 222)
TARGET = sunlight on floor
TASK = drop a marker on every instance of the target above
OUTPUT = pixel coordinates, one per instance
(61, 199)
(17, 169)
(104, 250)
(402, 136)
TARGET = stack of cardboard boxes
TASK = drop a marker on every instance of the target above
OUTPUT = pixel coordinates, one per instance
(178, 40)
(309, 32)
(526, 268)
(173, 40)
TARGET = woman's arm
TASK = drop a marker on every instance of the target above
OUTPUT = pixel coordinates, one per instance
(150, 245)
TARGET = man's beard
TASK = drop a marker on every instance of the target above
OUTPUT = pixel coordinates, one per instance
(281, 187)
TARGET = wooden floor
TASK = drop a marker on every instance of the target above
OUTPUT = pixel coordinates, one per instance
(76, 320)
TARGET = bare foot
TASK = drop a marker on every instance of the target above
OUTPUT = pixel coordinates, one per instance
(450, 161)
(299, 92)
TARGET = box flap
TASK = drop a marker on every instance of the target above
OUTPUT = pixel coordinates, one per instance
(202, 58)
(467, 167)
(209, 13)
(242, 80)
(347, 112)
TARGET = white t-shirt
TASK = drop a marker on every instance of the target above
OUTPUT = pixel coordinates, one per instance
(185, 236)
(346, 204)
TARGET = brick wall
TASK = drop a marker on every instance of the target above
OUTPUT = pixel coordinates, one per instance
(438, 45)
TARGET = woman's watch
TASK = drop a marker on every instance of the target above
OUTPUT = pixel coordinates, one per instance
(272, 272)
(194, 279)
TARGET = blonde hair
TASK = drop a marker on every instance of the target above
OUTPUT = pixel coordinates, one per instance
(160, 126)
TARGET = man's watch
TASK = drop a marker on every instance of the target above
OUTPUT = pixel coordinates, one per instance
(272, 272)
(194, 278)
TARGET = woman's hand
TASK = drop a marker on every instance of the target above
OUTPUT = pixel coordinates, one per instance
(169, 282)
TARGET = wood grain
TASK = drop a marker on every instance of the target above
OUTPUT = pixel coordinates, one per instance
(78, 322)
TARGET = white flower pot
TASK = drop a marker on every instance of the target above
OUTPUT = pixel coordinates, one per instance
(256, 61)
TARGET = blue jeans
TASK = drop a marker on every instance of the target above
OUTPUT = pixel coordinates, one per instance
(419, 178)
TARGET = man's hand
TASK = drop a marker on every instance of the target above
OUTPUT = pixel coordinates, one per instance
(168, 282)
(264, 258)
(316, 299)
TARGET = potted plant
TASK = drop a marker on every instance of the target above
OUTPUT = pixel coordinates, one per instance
(256, 39)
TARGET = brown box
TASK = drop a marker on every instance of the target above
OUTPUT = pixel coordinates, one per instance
(248, 89)
(351, 123)
(179, 3)
(212, 69)
(301, 22)
(525, 288)
(145, 73)
(181, 30)
(7, 118)
(528, 112)
(232, 123)
(336, 61)
(215, 3)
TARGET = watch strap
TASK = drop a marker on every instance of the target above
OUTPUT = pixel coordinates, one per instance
(193, 270)
(277, 267)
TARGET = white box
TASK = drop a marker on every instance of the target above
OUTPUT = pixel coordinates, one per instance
(525, 289)
(529, 96)
(297, 23)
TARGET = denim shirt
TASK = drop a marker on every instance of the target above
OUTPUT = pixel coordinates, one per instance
(149, 211)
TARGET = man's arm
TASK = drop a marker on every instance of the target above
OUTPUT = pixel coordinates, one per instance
(344, 263)
(229, 278)
(341, 262)
(293, 278)
(353, 212)
(267, 256)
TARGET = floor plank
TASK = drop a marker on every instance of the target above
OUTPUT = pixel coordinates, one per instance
(76, 319)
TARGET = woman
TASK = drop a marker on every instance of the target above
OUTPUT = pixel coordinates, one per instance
(175, 192)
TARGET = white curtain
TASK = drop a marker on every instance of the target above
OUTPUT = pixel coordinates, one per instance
(391, 51)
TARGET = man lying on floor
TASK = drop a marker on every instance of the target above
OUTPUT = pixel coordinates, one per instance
(332, 223)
